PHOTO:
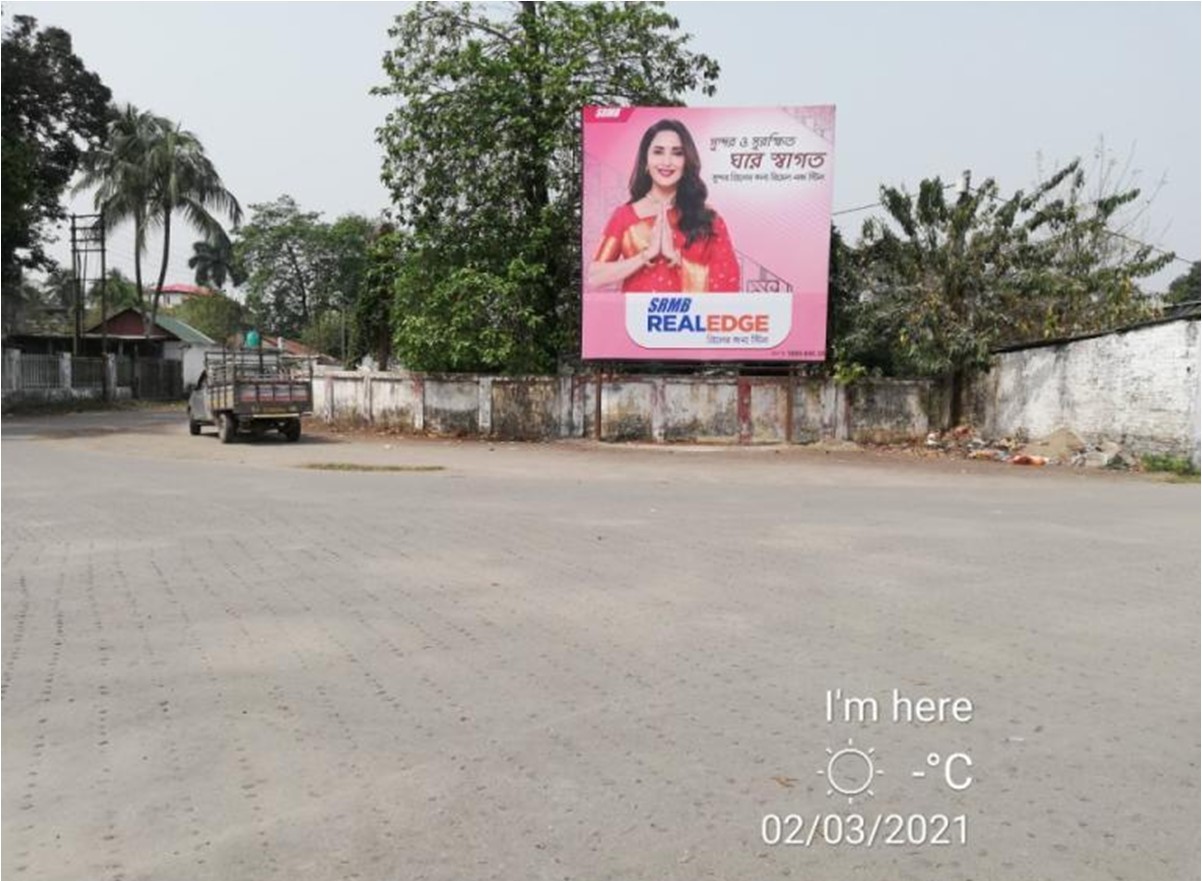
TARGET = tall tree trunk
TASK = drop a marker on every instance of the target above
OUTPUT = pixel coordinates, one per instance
(158, 288)
(139, 235)
(300, 283)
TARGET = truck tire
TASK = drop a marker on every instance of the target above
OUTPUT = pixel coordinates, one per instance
(292, 431)
(193, 425)
(226, 427)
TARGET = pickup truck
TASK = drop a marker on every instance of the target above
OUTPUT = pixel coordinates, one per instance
(252, 391)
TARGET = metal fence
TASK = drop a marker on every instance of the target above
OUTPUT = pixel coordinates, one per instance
(146, 378)
(156, 380)
(125, 371)
(39, 372)
(87, 372)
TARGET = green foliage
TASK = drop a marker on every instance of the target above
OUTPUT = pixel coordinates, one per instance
(149, 169)
(214, 262)
(326, 332)
(371, 332)
(119, 291)
(940, 282)
(216, 316)
(298, 266)
(1178, 465)
(481, 155)
(471, 320)
(53, 109)
(1186, 288)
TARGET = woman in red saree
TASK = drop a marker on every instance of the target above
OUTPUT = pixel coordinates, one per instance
(666, 239)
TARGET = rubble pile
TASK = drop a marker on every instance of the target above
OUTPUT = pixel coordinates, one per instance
(1062, 447)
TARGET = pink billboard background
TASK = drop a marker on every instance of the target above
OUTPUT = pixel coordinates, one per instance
(769, 172)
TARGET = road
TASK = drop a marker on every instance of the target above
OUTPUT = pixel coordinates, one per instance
(579, 661)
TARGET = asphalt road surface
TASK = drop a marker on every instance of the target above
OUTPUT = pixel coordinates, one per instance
(587, 662)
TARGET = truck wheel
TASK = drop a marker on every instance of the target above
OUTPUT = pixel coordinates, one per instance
(226, 427)
(193, 425)
(292, 431)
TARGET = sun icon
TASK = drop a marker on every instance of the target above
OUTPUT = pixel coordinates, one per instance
(850, 771)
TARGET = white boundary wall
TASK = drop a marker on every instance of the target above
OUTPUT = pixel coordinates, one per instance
(1138, 388)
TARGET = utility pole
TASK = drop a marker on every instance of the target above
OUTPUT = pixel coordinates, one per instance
(87, 237)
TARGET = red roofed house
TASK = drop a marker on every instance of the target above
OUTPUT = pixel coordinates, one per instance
(177, 294)
(174, 339)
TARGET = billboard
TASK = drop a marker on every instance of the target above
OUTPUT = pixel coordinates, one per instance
(706, 232)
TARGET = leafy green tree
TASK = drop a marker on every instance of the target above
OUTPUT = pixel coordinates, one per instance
(150, 169)
(216, 316)
(214, 262)
(326, 332)
(1186, 288)
(481, 155)
(53, 110)
(119, 291)
(372, 316)
(297, 266)
(944, 281)
(470, 320)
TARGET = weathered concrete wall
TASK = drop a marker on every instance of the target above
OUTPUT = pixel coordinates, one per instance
(1138, 388)
(633, 408)
(526, 409)
(626, 409)
(452, 405)
(888, 412)
(395, 401)
(813, 411)
(700, 410)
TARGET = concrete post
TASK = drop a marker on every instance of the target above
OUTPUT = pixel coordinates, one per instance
(12, 370)
(564, 398)
(367, 402)
(658, 406)
(419, 412)
(64, 370)
(110, 376)
(484, 407)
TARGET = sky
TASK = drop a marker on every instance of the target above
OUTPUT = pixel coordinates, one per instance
(279, 94)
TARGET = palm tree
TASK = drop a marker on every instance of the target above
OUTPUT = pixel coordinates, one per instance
(214, 262)
(118, 171)
(186, 180)
(148, 169)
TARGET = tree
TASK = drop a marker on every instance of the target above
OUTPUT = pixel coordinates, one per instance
(124, 188)
(150, 169)
(1186, 288)
(214, 263)
(53, 110)
(371, 332)
(186, 181)
(120, 292)
(298, 266)
(486, 213)
(942, 282)
(216, 316)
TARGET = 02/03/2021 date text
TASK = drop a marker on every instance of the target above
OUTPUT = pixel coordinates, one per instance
(860, 830)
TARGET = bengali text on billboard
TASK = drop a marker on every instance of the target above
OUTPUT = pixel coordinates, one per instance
(706, 232)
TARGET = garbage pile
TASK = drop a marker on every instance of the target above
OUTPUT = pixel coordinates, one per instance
(1062, 447)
